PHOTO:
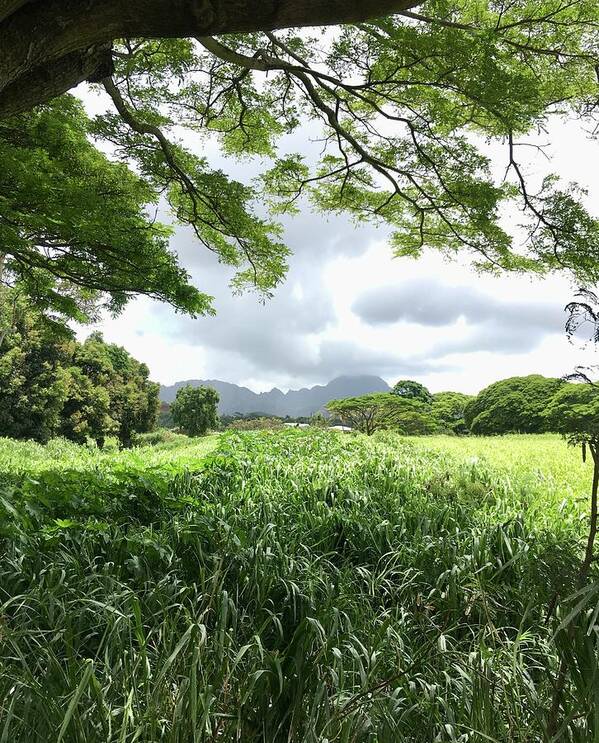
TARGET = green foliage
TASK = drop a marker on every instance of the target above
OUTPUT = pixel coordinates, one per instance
(448, 409)
(380, 410)
(546, 469)
(163, 437)
(402, 102)
(194, 410)
(415, 420)
(51, 385)
(289, 586)
(412, 391)
(165, 419)
(34, 383)
(74, 226)
(122, 384)
(260, 423)
(516, 404)
(403, 105)
(574, 412)
(86, 413)
(409, 409)
(318, 420)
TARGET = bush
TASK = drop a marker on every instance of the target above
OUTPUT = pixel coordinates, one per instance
(255, 424)
(160, 436)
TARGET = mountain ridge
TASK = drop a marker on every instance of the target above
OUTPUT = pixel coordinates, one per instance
(294, 403)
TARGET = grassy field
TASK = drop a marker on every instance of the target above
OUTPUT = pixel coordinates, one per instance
(546, 458)
(294, 586)
(548, 473)
(26, 458)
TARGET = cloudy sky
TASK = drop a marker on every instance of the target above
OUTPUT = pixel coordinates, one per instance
(349, 307)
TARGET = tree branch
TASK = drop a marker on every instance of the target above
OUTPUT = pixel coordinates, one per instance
(34, 36)
(229, 55)
(44, 83)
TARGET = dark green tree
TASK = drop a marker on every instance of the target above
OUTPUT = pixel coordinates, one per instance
(75, 228)
(448, 410)
(51, 385)
(516, 405)
(318, 420)
(416, 420)
(86, 411)
(132, 397)
(412, 391)
(33, 380)
(194, 409)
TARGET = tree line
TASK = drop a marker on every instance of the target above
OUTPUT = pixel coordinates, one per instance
(514, 405)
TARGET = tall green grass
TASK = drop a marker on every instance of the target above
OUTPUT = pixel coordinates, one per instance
(292, 587)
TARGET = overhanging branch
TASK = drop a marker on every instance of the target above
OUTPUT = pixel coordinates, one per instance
(36, 38)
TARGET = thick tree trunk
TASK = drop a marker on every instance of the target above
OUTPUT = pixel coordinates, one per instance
(49, 46)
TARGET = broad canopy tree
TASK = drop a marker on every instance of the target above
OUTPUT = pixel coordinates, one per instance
(409, 409)
(448, 408)
(397, 88)
(513, 405)
(382, 410)
(412, 390)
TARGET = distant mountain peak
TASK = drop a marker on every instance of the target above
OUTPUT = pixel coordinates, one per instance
(294, 403)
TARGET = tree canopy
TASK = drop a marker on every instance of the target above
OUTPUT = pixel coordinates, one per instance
(381, 410)
(194, 409)
(448, 409)
(403, 98)
(416, 413)
(74, 226)
(132, 399)
(516, 404)
(574, 412)
(33, 379)
(412, 390)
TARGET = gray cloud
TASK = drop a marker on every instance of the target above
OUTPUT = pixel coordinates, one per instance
(493, 337)
(281, 341)
(495, 325)
(345, 357)
(429, 302)
(312, 238)
(278, 338)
